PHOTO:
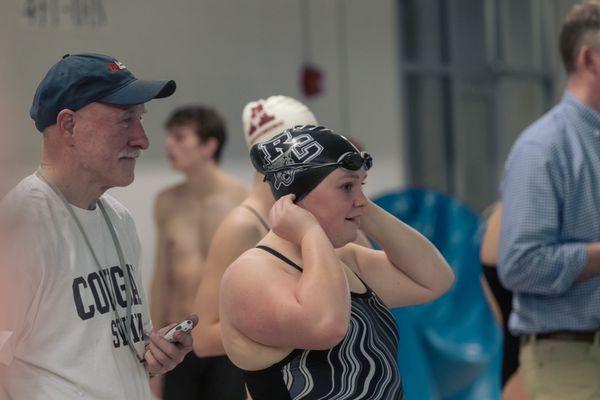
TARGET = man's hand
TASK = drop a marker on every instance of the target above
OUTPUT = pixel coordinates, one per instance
(162, 356)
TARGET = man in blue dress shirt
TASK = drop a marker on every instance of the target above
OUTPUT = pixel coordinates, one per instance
(550, 236)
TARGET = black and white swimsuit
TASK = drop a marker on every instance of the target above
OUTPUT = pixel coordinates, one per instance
(362, 366)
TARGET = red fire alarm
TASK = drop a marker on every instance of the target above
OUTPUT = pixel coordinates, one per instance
(311, 80)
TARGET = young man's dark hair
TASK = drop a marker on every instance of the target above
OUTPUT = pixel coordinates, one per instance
(580, 26)
(207, 123)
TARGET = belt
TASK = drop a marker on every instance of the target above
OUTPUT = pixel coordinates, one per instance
(571, 336)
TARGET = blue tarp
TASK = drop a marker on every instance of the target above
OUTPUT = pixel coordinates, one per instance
(450, 349)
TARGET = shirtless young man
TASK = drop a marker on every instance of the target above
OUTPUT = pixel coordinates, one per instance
(246, 225)
(187, 216)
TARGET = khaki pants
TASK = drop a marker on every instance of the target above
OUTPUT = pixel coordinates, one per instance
(561, 370)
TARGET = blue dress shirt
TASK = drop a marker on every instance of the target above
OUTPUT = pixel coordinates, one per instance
(551, 197)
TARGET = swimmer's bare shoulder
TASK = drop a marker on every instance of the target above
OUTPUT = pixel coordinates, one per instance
(237, 190)
(166, 200)
(239, 231)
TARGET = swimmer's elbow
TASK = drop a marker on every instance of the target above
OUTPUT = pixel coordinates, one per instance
(444, 280)
(329, 332)
(447, 282)
(207, 340)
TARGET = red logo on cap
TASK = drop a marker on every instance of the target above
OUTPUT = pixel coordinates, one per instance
(116, 65)
(263, 118)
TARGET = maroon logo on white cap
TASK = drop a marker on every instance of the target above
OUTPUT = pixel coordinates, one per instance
(258, 118)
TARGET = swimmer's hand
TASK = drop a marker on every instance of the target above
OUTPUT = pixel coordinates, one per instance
(290, 221)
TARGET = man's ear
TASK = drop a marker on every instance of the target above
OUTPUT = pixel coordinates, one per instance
(588, 60)
(210, 146)
(65, 123)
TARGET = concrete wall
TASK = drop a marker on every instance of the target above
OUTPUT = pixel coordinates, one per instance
(221, 52)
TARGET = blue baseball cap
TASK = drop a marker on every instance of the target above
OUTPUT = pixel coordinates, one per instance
(80, 79)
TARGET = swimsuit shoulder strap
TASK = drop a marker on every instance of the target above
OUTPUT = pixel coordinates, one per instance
(257, 215)
(280, 256)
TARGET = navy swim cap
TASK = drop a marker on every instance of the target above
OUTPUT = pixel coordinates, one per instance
(298, 159)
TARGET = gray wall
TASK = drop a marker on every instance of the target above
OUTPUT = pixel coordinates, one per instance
(221, 52)
(228, 52)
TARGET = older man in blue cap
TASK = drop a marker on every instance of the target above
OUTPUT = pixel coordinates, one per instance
(74, 319)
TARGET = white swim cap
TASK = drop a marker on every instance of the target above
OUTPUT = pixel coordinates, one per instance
(263, 119)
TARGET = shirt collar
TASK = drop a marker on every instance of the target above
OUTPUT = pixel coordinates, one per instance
(590, 115)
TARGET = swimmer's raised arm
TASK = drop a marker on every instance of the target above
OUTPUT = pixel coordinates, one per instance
(308, 310)
(408, 270)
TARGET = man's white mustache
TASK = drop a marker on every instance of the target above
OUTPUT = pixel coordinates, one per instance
(133, 153)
